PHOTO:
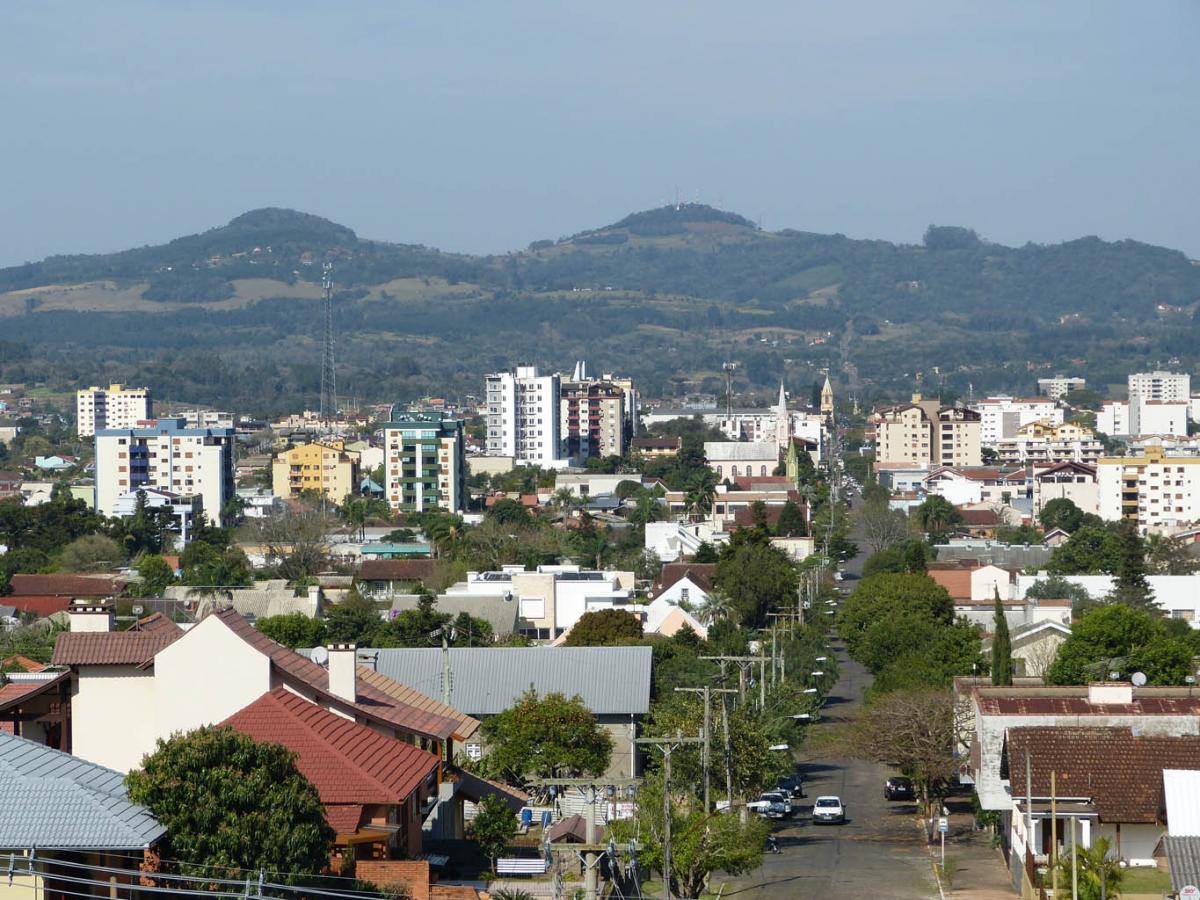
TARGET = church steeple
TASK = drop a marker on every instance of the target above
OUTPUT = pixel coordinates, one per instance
(827, 397)
(783, 422)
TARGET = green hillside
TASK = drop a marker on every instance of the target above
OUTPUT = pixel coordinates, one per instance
(230, 316)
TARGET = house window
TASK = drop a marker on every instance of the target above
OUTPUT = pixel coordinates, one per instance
(733, 471)
(1187, 615)
(683, 594)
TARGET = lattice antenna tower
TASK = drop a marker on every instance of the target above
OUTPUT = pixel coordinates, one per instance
(328, 372)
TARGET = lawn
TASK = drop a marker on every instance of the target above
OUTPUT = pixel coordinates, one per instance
(1145, 881)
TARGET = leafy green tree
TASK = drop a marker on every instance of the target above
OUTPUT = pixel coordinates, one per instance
(705, 553)
(156, 574)
(1061, 513)
(206, 566)
(791, 521)
(233, 805)
(700, 843)
(508, 512)
(891, 600)
(351, 624)
(1167, 555)
(545, 737)
(1123, 638)
(937, 517)
(90, 553)
(494, 827)
(1131, 587)
(1002, 664)
(294, 630)
(605, 627)
(1056, 587)
(1091, 550)
(755, 576)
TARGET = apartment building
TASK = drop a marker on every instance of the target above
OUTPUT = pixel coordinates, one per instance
(1138, 415)
(926, 432)
(1160, 385)
(524, 417)
(1059, 386)
(323, 467)
(208, 418)
(116, 406)
(1153, 490)
(592, 419)
(425, 462)
(1042, 443)
(1001, 417)
(167, 455)
(1074, 481)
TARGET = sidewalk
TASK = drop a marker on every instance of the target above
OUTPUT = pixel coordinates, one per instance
(980, 872)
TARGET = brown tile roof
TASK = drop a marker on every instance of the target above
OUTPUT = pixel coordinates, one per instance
(370, 700)
(421, 570)
(413, 873)
(14, 693)
(979, 517)
(343, 818)
(67, 585)
(467, 726)
(38, 605)
(345, 761)
(1073, 701)
(1119, 772)
(701, 574)
(667, 443)
(111, 648)
(158, 623)
(24, 663)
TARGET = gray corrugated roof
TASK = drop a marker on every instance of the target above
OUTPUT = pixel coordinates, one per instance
(488, 680)
(1183, 857)
(53, 799)
(501, 614)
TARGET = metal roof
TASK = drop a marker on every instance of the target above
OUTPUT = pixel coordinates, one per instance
(53, 799)
(1183, 858)
(485, 681)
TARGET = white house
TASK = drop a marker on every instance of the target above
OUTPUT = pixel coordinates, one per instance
(1177, 595)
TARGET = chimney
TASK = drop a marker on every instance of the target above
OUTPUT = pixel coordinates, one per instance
(87, 615)
(314, 600)
(342, 676)
(1101, 693)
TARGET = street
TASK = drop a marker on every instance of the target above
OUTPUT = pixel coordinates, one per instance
(878, 852)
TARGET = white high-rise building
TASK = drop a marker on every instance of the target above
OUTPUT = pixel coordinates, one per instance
(1170, 387)
(168, 456)
(1000, 418)
(116, 406)
(1153, 490)
(523, 416)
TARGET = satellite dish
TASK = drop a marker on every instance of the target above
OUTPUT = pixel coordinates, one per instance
(320, 656)
(1138, 679)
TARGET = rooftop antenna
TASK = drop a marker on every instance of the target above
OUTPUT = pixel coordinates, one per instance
(328, 373)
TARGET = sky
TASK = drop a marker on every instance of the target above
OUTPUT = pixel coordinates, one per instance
(483, 126)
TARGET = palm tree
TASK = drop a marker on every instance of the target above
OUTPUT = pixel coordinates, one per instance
(1098, 876)
(717, 607)
(564, 500)
(700, 493)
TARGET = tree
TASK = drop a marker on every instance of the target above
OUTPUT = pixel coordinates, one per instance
(352, 623)
(156, 573)
(546, 737)
(910, 556)
(90, 553)
(1131, 587)
(914, 730)
(294, 630)
(885, 601)
(881, 526)
(233, 805)
(1107, 638)
(1002, 664)
(296, 544)
(754, 575)
(508, 512)
(1061, 513)
(700, 843)
(605, 627)
(494, 827)
(1089, 551)
(1091, 866)
(1056, 587)
(938, 518)
(1167, 555)
(705, 553)
(791, 521)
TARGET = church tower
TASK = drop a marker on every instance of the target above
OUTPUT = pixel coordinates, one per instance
(783, 422)
(827, 398)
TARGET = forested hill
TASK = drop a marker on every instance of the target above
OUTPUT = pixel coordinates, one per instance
(630, 296)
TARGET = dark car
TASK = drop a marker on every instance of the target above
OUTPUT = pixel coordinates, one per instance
(899, 788)
(792, 784)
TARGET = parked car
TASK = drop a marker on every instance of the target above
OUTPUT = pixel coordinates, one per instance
(899, 788)
(772, 805)
(792, 785)
(829, 811)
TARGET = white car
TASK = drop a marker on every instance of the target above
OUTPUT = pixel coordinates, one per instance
(828, 811)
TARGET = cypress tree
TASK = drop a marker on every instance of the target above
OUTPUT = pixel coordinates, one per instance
(1001, 647)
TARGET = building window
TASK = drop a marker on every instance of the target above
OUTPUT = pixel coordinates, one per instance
(475, 751)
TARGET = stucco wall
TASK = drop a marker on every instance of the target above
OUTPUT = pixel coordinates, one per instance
(228, 672)
(112, 716)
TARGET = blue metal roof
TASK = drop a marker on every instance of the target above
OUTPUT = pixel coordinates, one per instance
(55, 800)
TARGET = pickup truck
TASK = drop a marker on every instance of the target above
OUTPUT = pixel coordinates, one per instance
(772, 805)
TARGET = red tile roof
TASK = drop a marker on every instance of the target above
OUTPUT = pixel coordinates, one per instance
(24, 663)
(68, 585)
(400, 570)
(370, 700)
(1119, 772)
(344, 818)
(111, 648)
(157, 623)
(345, 761)
(1036, 703)
(14, 693)
(38, 605)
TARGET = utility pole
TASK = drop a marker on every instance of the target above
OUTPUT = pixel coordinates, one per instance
(744, 663)
(706, 758)
(667, 746)
(591, 846)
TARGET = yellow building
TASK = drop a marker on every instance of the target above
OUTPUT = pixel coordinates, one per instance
(327, 468)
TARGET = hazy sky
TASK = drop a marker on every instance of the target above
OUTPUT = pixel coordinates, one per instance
(481, 126)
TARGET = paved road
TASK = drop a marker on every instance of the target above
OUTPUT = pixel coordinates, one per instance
(878, 853)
